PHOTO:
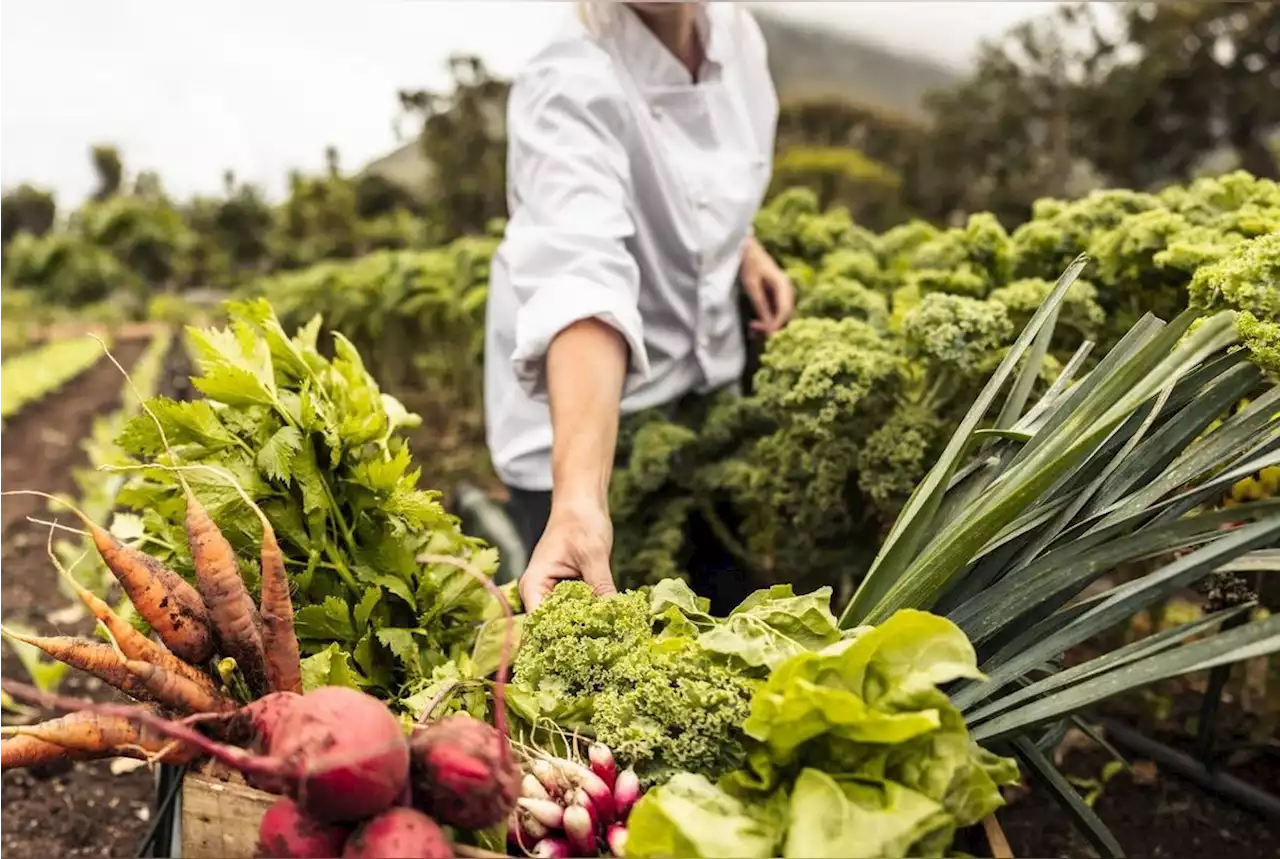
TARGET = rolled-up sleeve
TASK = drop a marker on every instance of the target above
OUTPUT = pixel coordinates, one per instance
(565, 247)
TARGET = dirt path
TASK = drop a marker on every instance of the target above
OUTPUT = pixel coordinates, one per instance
(80, 810)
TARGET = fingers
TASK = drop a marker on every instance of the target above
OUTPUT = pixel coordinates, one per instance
(537, 582)
(784, 300)
(753, 284)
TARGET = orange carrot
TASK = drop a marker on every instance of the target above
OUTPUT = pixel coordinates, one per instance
(284, 666)
(132, 643)
(24, 751)
(170, 605)
(92, 657)
(176, 691)
(100, 735)
(235, 617)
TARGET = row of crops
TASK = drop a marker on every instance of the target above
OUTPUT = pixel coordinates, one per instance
(972, 452)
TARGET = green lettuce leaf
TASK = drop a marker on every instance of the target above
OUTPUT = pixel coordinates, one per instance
(863, 819)
(691, 817)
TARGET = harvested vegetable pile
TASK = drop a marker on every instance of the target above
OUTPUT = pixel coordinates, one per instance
(653, 676)
(318, 447)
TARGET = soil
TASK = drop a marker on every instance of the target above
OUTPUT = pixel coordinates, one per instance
(1151, 814)
(82, 809)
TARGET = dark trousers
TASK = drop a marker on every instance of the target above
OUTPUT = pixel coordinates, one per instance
(712, 570)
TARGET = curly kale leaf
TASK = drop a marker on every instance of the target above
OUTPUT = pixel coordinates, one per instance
(955, 332)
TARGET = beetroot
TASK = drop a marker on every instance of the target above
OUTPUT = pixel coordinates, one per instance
(349, 750)
(286, 833)
(463, 773)
(403, 833)
(339, 753)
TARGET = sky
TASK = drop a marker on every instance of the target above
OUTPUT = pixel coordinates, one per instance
(191, 88)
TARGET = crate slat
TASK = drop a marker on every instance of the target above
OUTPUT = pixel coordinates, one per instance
(220, 819)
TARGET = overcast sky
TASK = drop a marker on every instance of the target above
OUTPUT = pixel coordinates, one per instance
(189, 88)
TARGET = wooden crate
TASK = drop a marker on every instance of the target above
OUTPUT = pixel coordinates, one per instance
(220, 818)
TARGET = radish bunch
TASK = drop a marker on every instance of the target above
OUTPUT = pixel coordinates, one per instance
(570, 809)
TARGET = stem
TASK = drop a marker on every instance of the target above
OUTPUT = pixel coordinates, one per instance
(508, 640)
(340, 568)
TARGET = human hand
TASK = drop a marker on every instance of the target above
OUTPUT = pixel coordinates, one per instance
(773, 297)
(575, 545)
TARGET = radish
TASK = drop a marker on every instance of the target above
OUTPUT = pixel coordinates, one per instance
(578, 796)
(626, 792)
(602, 763)
(524, 830)
(532, 788)
(548, 776)
(286, 833)
(579, 830)
(463, 773)
(403, 833)
(551, 848)
(617, 840)
(545, 812)
(573, 774)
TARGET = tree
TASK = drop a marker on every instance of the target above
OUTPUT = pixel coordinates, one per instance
(26, 209)
(1138, 104)
(109, 169)
(464, 139)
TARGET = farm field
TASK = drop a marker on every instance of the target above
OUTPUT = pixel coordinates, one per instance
(71, 809)
(980, 556)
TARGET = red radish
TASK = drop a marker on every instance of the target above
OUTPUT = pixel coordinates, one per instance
(532, 788)
(524, 830)
(602, 763)
(286, 833)
(574, 774)
(339, 753)
(579, 830)
(549, 777)
(546, 812)
(578, 796)
(617, 840)
(626, 792)
(403, 833)
(551, 848)
(463, 773)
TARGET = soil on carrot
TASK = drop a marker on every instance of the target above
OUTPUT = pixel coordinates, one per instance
(82, 809)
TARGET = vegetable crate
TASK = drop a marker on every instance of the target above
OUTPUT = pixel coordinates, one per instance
(218, 819)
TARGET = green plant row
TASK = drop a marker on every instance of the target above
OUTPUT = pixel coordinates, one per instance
(30, 377)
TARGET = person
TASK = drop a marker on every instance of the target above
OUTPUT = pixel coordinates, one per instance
(640, 146)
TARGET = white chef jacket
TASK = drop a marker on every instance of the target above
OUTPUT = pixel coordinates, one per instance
(631, 190)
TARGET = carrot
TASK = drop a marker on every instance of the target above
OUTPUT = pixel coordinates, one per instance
(282, 665)
(177, 691)
(26, 751)
(234, 616)
(165, 600)
(92, 657)
(132, 643)
(100, 735)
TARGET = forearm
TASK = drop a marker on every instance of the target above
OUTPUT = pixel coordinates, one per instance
(586, 368)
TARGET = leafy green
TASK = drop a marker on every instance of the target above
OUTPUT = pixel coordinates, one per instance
(855, 752)
(319, 447)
